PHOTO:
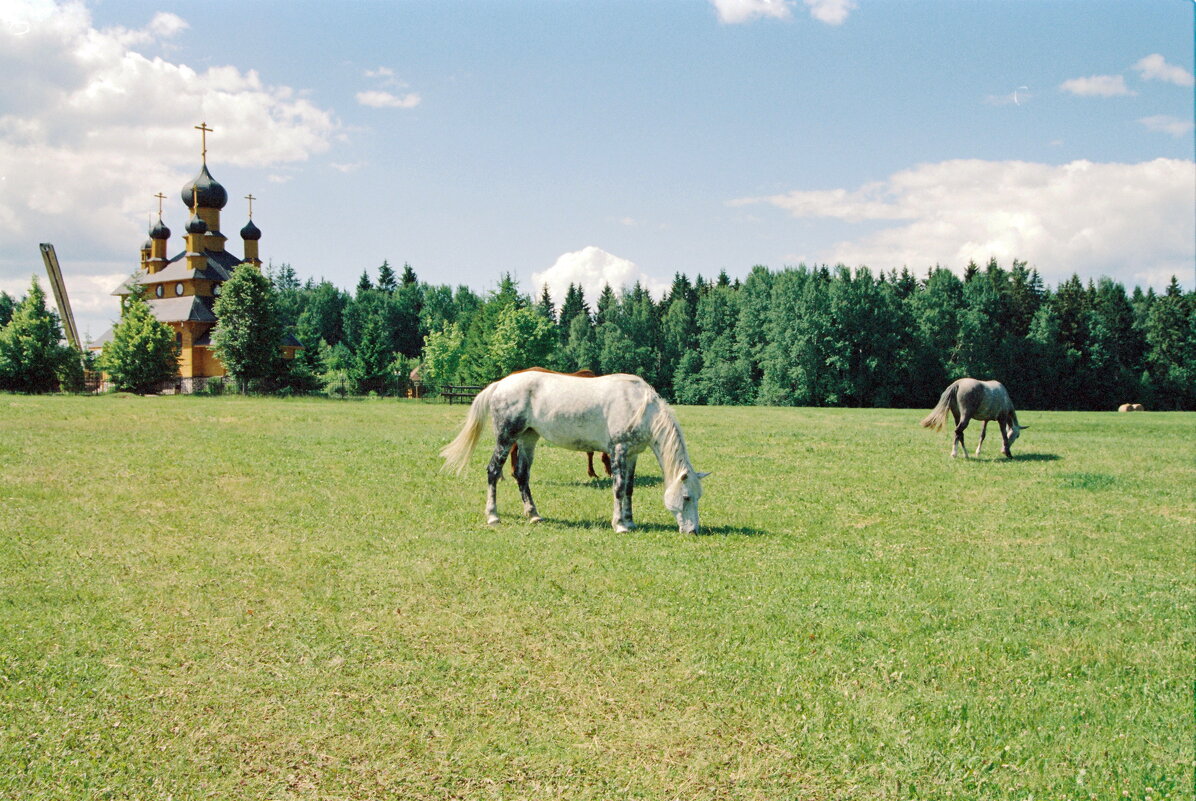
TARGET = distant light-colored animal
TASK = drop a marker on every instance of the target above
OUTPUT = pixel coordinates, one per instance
(589, 454)
(616, 414)
(1131, 407)
(968, 399)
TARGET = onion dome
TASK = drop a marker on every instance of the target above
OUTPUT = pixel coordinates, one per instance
(159, 231)
(148, 245)
(196, 225)
(251, 232)
(211, 194)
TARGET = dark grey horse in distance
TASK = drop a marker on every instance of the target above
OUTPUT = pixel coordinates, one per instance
(968, 399)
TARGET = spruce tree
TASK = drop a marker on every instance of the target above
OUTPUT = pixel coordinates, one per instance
(386, 278)
(7, 305)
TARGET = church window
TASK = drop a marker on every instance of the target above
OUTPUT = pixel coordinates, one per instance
(178, 288)
(159, 290)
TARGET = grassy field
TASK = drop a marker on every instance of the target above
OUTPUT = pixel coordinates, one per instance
(253, 598)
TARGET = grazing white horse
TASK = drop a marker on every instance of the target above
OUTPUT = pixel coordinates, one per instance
(968, 399)
(616, 414)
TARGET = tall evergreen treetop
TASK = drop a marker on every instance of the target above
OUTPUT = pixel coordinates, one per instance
(386, 278)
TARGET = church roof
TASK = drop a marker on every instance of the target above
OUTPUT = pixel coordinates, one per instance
(189, 308)
(218, 267)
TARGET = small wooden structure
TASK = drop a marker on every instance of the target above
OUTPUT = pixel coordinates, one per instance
(463, 393)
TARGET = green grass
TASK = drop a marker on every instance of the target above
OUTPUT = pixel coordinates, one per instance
(248, 598)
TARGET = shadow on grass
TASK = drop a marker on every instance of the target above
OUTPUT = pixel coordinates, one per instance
(661, 528)
(600, 483)
(1017, 457)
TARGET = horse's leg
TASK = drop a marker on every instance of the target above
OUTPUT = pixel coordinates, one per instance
(606, 462)
(514, 456)
(1006, 427)
(983, 431)
(523, 467)
(630, 478)
(962, 423)
(619, 474)
(590, 464)
(493, 473)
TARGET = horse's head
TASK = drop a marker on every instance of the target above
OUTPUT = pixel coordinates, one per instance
(1014, 432)
(681, 498)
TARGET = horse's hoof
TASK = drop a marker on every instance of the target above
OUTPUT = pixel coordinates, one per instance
(535, 519)
(621, 529)
(492, 520)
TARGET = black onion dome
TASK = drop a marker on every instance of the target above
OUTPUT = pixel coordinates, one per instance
(250, 232)
(148, 245)
(159, 231)
(196, 225)
(211, 194)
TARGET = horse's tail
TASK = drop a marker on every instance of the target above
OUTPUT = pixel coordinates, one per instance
(456, 454)
(938, 415)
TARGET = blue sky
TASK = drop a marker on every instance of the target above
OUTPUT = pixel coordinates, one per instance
(604, 141)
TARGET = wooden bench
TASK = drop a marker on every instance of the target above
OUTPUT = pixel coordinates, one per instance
(464, 393)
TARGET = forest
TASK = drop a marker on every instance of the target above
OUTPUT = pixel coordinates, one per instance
(798, 336)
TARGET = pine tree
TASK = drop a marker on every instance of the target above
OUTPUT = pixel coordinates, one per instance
(575, 304)
(364, 284)
(386, 278)
(545, 307)
(370, 365)
(7, 305)
(143, 352)
(1171, 338)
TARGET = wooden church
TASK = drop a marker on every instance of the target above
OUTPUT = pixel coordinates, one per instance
(182, 290)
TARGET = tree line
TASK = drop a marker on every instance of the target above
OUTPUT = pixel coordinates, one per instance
(808, 336)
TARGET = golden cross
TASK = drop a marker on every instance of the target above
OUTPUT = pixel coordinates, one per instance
(160, 198)
(204, 130)
(250, 198)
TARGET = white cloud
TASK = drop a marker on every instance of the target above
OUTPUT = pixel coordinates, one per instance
(347, 168)
(92, 124)
(1155, 68)
(1163, 123)
(733, 12)
(1134, 222)
(832, 12)
(381, 72)
(592, 268)
(1097, 86)
(165, 25)
(378, 99)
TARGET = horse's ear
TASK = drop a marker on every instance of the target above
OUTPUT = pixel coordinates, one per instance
(702, 475)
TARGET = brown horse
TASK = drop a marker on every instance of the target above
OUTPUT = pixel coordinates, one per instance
(589, 454)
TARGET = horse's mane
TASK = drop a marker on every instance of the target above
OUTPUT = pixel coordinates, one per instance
(666, 433)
